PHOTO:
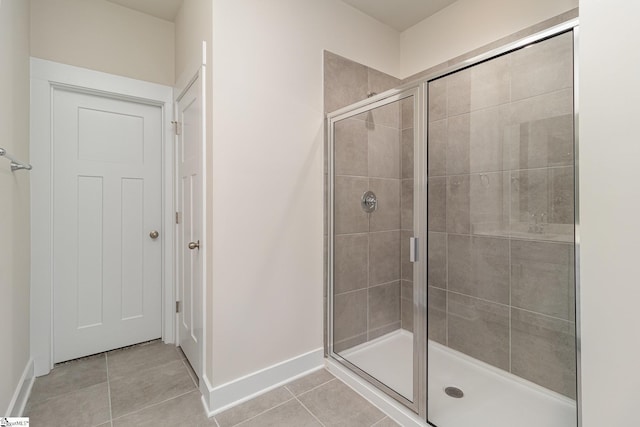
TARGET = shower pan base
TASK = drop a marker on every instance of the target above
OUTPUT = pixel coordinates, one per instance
(389, 359)
(487, 390)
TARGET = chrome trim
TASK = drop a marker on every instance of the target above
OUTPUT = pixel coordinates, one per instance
(576, 162)
(420, 222)
(539, 36)
(345, 113)
(420, 87)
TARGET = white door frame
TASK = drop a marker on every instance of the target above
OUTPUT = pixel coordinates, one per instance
(46, 77)
(181, 89)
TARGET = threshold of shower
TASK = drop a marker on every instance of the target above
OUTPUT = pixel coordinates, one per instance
(509, 399)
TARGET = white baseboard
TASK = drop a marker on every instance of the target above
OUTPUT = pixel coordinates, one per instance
(22, 392)
(396, 411)
(222, 397)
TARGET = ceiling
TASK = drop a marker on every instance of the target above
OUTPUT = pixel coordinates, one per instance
(399, 14)
(163, 9)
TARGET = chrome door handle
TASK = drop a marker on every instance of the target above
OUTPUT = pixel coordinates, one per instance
(154, 234)
(194, 245)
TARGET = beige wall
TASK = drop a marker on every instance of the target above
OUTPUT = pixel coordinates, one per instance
(609, 205)
(470, 24)
(267, 174)
(103, 36)
(14, 188)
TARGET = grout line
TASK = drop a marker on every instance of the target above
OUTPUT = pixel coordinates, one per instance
(216, 421)
(539, 168)
(152, 405)
(264, 412)
(379, 421)
(106, 361)
(509, 306)
(185, 364)
(316, 387)
(309, 411)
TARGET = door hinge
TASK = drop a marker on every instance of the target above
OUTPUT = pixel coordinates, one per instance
(177, 127)
(177, 306)
(177, 217)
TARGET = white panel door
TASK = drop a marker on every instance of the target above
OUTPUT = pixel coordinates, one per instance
(189, 155)
(107, 156)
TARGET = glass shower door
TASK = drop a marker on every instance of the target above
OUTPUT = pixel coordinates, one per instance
(501, 285)
(371, 226)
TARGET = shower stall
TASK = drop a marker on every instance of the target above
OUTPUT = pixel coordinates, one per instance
(452, 236)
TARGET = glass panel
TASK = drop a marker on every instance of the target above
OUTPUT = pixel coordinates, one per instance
(373, 278)
(501, 300)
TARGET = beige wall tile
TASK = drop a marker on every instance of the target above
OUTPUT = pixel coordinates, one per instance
(379, 82)
(437, 200)
(350, 315)
(544, 67)
(406, 113)
(387, 215)
(458, 201)
(543, 351)
(542, 278)
(384, 257)
(406, 153)
(458, 93)
(479, 267)
(489, 147)
(438, 148)
(384, 152)
(351, 263)
(406, 205)
(387, 115)
(489, 202)
(540, 107)
(458, 144)
(542, 143)
(386, 329)
(437, 315)
(384, 305)
(479, 329)
(548, 192)
(437, 100)
(351, 148)
(345, 82)
(490, 83)
(437, 260)
(349, 216)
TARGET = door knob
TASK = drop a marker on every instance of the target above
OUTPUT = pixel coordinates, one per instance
(154, 234)
(194, 245)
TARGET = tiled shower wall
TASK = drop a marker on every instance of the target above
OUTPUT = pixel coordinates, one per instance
(367, 269)
(501, 218)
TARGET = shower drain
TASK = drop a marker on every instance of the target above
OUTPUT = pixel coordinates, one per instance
(454, 392)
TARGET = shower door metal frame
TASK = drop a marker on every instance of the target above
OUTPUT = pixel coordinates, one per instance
(420, 86)
(569, 26)
(415, 90)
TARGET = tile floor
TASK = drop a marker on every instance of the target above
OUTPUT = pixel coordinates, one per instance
(152, 384)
